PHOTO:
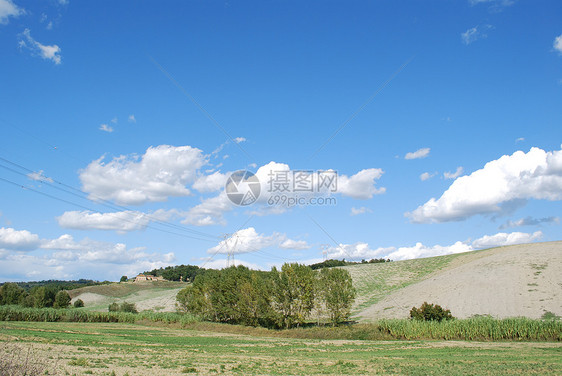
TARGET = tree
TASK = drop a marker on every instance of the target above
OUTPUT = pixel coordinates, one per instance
(78, 303)
(11, 293)
(43, 296)
(336, 293)
(123, 279)
(293, 293)
(62, 299)
(113, 307)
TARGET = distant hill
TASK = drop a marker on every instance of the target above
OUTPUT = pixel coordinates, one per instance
(510, 281)
(158, 296)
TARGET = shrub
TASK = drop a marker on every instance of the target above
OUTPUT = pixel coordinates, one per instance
(123, 279)
(128, 307)
(113, 307)
(430, 312)
(62, 299)
(79, 303)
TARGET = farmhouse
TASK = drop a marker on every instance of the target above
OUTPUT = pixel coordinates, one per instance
(148, 278)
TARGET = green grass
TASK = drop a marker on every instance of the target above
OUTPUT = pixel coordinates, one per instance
(100, 348)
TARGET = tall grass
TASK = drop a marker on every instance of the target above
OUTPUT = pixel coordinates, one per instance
(18, 313)
(481, 328)
(474, 329)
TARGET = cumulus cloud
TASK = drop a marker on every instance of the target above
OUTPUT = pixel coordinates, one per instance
(360, 250)
(162, 171)
(453, 175)
(106, 128)
(558, 43)
(67, 258)
(118, 221)
(426, 176)
(239, 140)
(498, 186)
(210, 183)
(361, 210)
(361, 185)
(529, 221)
(475, 33)
(23, 240)
(132, 119)
(248, 240)
(418, 154)
(9, 9)
(502, 238)
(46, 52)
(277, 179)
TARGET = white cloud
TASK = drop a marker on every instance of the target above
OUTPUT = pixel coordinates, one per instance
(209, 212)
(15, 240)
(106, 128)
(558, 43)
(361, 185)
(475, 33)
(248, 240)
(210, 183)
(361, 250)
(420, 153)
(44, 51)
(114, 120)
(132, 119)
(361, 210)
(118, 221)
(222, 263)
(520, 139)
(502, 238)
(163, 171)
(294, 244)
(529, 221)
(39, 176)
(9, 9)
(426, 175)
(453, 175)
(239, 140)
(509, 180)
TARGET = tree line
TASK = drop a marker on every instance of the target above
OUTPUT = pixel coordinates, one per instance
(174, 273)
(282, 298)
(333, 263)
(36, 297)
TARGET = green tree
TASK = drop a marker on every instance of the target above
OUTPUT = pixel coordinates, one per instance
(78, 303)
(430, 312)
(113, 307)
(43, 296)
(293, 293)
(336, 293)
(123, 279)
(62, 299)
(11, 293)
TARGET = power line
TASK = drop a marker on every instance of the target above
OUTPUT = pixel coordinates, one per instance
(78, 193)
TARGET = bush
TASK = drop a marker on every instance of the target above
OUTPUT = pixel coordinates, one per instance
(62, 299)
(79, 303)
(430, 312)
(124, 307)
(123, 279)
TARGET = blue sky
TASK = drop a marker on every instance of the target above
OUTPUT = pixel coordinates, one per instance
(441, 120)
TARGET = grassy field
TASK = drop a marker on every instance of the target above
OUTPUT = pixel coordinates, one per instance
(120, 349)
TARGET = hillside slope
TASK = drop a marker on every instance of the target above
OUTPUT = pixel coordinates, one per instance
(519, 280)
(157, 296)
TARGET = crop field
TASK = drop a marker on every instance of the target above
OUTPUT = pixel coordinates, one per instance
(129, 349)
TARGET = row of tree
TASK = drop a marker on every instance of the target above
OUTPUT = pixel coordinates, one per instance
(187, 273)
(333, 263)
(280, 298)
(37, 297)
